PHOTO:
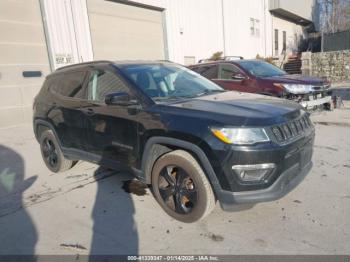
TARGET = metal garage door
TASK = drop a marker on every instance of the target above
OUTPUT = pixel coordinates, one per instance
(121, 31)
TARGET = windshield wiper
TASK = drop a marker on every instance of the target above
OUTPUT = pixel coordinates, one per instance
(165, 98)
(208, 92)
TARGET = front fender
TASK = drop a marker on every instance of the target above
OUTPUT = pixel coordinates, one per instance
(147, 161)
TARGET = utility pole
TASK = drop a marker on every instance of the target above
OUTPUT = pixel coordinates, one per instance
(334, 13)
(223, 28)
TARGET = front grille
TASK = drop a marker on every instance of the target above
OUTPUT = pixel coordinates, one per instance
(289, 131)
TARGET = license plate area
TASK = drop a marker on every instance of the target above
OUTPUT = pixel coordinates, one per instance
(315, 97)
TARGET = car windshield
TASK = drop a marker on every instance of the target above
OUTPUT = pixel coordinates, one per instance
(261, 68)
(169, 81)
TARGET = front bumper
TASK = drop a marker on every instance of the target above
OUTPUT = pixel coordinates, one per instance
(311, 104)
(293, 162)
(320, 97)
(286, 182)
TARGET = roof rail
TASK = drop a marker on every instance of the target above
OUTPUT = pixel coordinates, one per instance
(205, 60)
(85, 63)
(165, 60)
(232, 57)
(225, 58)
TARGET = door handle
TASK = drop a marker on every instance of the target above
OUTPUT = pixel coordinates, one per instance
(88, 111)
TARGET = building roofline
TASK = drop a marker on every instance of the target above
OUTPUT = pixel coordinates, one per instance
(137, 4)
(289, 16)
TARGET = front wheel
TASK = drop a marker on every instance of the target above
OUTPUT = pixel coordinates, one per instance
(181, 187)
(52, 153)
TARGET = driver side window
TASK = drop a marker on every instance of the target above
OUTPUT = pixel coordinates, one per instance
(102, 82)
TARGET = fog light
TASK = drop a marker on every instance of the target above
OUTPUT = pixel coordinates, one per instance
(254, 173)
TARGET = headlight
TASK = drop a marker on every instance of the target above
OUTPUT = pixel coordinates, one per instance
(240, 136)
(297, 89)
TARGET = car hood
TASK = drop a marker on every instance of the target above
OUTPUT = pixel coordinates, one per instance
(297, 79)
(240, 108)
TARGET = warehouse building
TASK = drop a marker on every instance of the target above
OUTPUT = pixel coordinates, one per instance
(38, 36)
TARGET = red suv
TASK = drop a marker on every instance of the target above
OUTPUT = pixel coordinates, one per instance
(258, 76)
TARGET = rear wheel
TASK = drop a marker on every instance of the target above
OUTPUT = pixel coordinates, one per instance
(181, 187)
(52, 154)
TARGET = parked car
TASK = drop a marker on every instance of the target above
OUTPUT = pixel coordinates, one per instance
(192, 141)
(258, 76)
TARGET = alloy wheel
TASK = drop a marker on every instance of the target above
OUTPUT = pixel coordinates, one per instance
(50, 152)
(177, 189)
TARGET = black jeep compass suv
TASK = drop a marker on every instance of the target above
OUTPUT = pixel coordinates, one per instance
(192, 141)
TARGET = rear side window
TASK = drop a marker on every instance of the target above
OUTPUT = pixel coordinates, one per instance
(196, 69)
(208, 71)
(68, 84)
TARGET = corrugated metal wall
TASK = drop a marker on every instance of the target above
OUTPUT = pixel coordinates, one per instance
(193, 29)
(68, 32)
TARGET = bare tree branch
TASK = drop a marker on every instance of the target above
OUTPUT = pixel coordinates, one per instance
(334, 15)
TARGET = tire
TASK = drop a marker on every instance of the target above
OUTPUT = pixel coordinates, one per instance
(52, 153)
(181, 188)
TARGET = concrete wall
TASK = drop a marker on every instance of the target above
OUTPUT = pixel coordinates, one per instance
(333, 65)
(22, 47)
(302, 8)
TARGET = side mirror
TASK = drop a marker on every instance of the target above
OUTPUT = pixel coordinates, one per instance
(119, 98)
(238, 76)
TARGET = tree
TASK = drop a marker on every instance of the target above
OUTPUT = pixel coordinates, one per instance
(216, 56)
(334, 15)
